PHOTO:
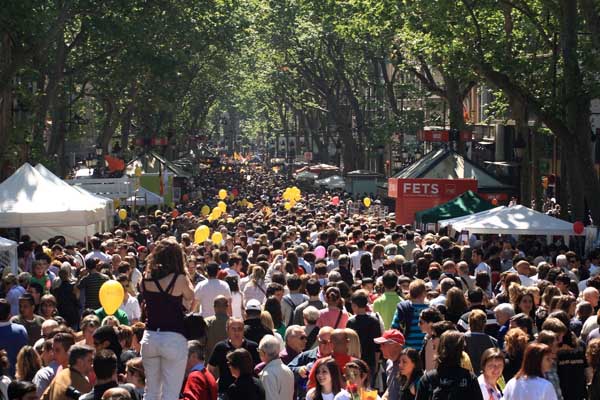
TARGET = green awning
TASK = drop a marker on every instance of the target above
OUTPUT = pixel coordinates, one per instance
(465, 204)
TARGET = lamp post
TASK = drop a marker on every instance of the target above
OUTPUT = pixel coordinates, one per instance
(98, 171)
(380, 152)
(519, 151)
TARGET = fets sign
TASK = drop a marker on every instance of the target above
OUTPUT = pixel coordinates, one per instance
(414, 195)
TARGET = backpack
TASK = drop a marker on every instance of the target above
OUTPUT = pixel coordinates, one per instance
(458, 387)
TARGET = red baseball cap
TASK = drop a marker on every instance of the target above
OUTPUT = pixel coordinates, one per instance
(391, 336)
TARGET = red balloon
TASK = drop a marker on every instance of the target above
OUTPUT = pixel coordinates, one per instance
(335, 200)
(175, 213)
(578, 227)
(235, 192)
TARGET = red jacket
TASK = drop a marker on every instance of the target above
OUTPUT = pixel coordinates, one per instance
(200, 385)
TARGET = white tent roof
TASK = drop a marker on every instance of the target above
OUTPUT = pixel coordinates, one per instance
(46, 173)
(28, 199)
(470, 217)
(516, 220)
(144, 197)
(306, 175)
(334, 182)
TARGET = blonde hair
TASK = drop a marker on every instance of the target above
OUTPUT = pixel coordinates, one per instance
(111, 320)
(28, 363)
(353, 343)
(267, 320)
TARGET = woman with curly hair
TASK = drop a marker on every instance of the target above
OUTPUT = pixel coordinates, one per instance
(515, 343)
(592, 355)
(525, 303)
(28, 363)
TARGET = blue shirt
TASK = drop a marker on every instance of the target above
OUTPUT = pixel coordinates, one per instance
(198, 367)
(12, 338)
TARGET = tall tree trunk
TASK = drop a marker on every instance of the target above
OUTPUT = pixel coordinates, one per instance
(6, 101)
(455, 97)
(577, 107)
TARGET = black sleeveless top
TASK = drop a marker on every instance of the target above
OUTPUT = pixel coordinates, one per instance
(164, 312)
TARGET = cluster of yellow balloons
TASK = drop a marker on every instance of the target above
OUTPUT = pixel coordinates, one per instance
(292, 193)
(203, 232)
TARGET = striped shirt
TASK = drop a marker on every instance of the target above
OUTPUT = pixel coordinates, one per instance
(415, 335)
(90, 286)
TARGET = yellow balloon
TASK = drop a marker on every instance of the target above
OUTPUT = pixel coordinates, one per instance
(205, 210)
(111, 296)
(222, 206)
(367, 202)
(287, 194)
(231, 197)
(222, 194)
(244, 203)
(250, 205)
(288, 205)
(122, 214)
(117, 203)
(201, 234)
(217, 212)
(157, 213)
(216, 237)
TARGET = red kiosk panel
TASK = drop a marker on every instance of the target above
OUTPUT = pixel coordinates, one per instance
(414, 195)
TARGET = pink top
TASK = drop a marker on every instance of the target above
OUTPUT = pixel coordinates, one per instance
(329, 317)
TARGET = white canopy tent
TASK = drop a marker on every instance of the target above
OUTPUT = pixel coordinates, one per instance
(306, 175)
(8, 255)
(333, 182)
(469, 218)
(516, 220)
(143, 197)
(105, 205)
(34, 203)
(110, 206)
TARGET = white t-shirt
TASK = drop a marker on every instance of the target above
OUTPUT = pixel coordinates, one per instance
(312, 392)
(206, 291)
(345, 395)
(526, 281)
(236, 305)
(529, 388)
(131, 307)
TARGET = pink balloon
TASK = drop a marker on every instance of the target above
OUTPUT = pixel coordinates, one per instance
(335, 200)
(320, 252)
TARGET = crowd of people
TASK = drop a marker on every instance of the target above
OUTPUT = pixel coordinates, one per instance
(387, 312)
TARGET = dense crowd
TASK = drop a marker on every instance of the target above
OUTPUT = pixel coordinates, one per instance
(304, 299)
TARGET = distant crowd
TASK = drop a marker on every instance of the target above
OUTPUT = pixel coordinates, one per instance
(297, 300)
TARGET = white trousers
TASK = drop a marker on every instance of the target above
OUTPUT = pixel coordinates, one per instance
(164, 355)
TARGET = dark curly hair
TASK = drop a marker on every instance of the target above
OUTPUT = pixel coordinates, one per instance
(593, 354)
(166, 258)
